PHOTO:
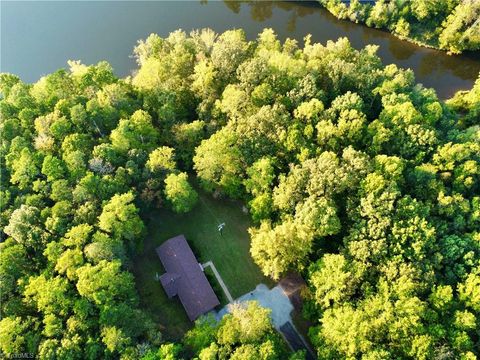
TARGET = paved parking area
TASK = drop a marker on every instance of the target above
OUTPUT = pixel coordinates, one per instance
(278, 302)
(274, 299)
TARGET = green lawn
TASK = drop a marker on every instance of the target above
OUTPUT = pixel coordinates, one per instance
(229, 252)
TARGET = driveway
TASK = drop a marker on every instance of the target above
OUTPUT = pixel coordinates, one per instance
(278, 302)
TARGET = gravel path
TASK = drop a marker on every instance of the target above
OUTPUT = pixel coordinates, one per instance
(219, 279)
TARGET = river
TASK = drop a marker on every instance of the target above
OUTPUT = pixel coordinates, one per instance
(39, 37)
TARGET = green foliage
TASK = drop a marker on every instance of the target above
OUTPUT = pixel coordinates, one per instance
(24, 226)
(24, 170)
(15, 336)
(120, 219)
(218, 163)
(347, 165)
(357, 178)
(52, 168)
(137, 132)
(187, 137)
(284, 247)
(202, 335)
(244, 333)
(161, 160)
(450, 25)
(179, 193)
(461, 28)
(68, 214)
(468, 104)
(334, 279)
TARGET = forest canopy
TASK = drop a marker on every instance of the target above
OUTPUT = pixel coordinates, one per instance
(356, 177)
(451, 25)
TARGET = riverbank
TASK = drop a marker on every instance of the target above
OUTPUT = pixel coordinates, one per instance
(31, 47)
(450, 28)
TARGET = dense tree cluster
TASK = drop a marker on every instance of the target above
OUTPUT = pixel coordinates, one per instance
(467, 103)
(243, 334)
(79, 158)
(356, 176)
(451, 25)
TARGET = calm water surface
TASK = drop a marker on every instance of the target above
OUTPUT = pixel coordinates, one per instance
(39, 37)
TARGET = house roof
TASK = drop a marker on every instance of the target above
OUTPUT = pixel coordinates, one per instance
(170, 283)
(184, 277)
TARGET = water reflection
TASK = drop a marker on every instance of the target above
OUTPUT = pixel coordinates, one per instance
(39, 37)
(402, 52)
(263, 10)
(431, 63)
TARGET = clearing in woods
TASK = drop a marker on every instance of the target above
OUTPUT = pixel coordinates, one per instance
(228, 250)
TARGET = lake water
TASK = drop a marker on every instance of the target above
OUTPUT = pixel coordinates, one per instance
(39, 37)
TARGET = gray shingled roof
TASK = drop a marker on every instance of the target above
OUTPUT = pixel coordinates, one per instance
(184, 277)
(170, 283)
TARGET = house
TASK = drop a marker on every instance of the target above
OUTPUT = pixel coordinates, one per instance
(185, 278)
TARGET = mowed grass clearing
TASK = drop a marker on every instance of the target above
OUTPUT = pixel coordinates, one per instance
(229, 252)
